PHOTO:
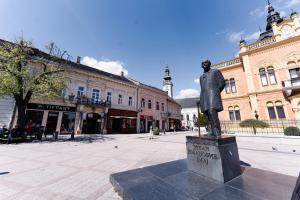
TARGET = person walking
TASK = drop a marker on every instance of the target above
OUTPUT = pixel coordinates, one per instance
(151, 133)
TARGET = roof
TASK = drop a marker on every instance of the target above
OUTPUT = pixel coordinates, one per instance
(41, 54)
(188, 102)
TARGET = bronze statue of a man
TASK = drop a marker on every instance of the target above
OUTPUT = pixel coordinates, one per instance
(212, 83)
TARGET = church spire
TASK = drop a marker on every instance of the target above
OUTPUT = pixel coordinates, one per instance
(167, 84)
(273, 16)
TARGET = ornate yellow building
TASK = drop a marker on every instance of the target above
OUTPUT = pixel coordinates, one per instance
(265, 79)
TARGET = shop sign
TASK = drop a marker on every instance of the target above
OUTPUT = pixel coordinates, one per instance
(50, 107)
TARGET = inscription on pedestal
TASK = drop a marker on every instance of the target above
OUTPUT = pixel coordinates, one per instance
(214, 158)
(202, 153)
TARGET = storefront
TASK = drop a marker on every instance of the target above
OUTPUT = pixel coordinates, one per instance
(145, 123)
(52, 117)
(174, 124)
(121, 121)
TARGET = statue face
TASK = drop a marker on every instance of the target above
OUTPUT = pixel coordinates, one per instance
(206, 65)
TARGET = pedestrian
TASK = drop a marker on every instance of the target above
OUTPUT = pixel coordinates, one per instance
(151, 133)
(29, 128)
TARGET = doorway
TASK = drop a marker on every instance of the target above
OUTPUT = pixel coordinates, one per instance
(51, 123)
(92, 125)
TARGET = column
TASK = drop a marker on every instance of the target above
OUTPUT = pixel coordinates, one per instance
(59, 120)
(45, 117)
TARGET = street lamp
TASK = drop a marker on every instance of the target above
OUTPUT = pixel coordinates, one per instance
(256, 115)
(198, 106)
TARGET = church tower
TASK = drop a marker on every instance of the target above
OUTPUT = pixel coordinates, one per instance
(167, 84)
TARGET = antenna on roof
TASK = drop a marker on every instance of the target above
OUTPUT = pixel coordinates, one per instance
(259, 29)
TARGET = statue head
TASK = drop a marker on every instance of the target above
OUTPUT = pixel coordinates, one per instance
(206, 64)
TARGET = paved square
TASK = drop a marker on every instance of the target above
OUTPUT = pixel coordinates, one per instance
(80, 169)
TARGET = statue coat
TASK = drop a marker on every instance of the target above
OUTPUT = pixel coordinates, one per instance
(212, 83)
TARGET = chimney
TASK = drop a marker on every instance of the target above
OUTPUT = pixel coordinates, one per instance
(78, 59)
(122, 73)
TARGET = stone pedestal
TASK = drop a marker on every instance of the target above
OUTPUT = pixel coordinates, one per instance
(216, 158)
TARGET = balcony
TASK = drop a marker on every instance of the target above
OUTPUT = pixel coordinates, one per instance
(291, 87)
(83, 100)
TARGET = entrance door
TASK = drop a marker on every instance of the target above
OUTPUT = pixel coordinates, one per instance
(149, 125)
(51, 123)
(92, 124)
(116, 125)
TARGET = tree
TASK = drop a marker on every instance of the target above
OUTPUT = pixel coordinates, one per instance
(254, 123)
(27, 73)
(201, 121)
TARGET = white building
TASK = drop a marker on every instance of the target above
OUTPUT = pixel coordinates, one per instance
(189, 112)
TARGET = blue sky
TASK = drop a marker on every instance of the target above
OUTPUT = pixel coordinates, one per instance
(141, 36)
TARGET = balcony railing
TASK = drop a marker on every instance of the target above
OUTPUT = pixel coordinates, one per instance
(83, 100)
(291, 86)
(260, 44)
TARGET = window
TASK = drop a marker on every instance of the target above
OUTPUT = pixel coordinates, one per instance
(80, 91)
(227, 86)
(194, 118)
(162, 107)
(231, 114)
(232, 84)
(277, 111)
(120, 99)
(280, 110)
(271, 110)
(272, 77)
(149, 104)
(187, 117)
(234, 113)
(143, 103)
(263, 77)
(108, 97)
(237, 113)
(294, 73)
(157, 105)
(95, 95)
(130, 101)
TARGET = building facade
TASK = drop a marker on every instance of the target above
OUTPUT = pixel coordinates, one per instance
(264, 80)
(97, 102)
(189, 112)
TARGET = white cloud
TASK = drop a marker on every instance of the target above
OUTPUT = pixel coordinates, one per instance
(235, 36)
(292, 3)
(187, 93)
(258, 12)
(197, 81)
(253, 36)
(114, 67)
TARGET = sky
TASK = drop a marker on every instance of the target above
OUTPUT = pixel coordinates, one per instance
(141, 37)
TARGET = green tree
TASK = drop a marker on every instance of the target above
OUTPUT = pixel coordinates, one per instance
(27, 73)
(201, 121)
(253, 123)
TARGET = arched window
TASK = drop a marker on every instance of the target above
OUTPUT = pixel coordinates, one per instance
(279, 110)
(187, 117)
(237, 113)
(120, 99)
(149, 104)
(143, 103)
(263, 77)
(232, 85)
(271, 74)
(271, 110)
(227, 86)
(231, 113)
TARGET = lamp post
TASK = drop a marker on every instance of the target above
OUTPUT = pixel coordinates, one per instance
(198, 106)
(256, 115)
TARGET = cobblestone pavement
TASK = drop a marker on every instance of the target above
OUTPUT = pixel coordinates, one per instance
(80, 169)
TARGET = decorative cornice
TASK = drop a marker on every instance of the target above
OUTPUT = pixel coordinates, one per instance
(229, 63)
